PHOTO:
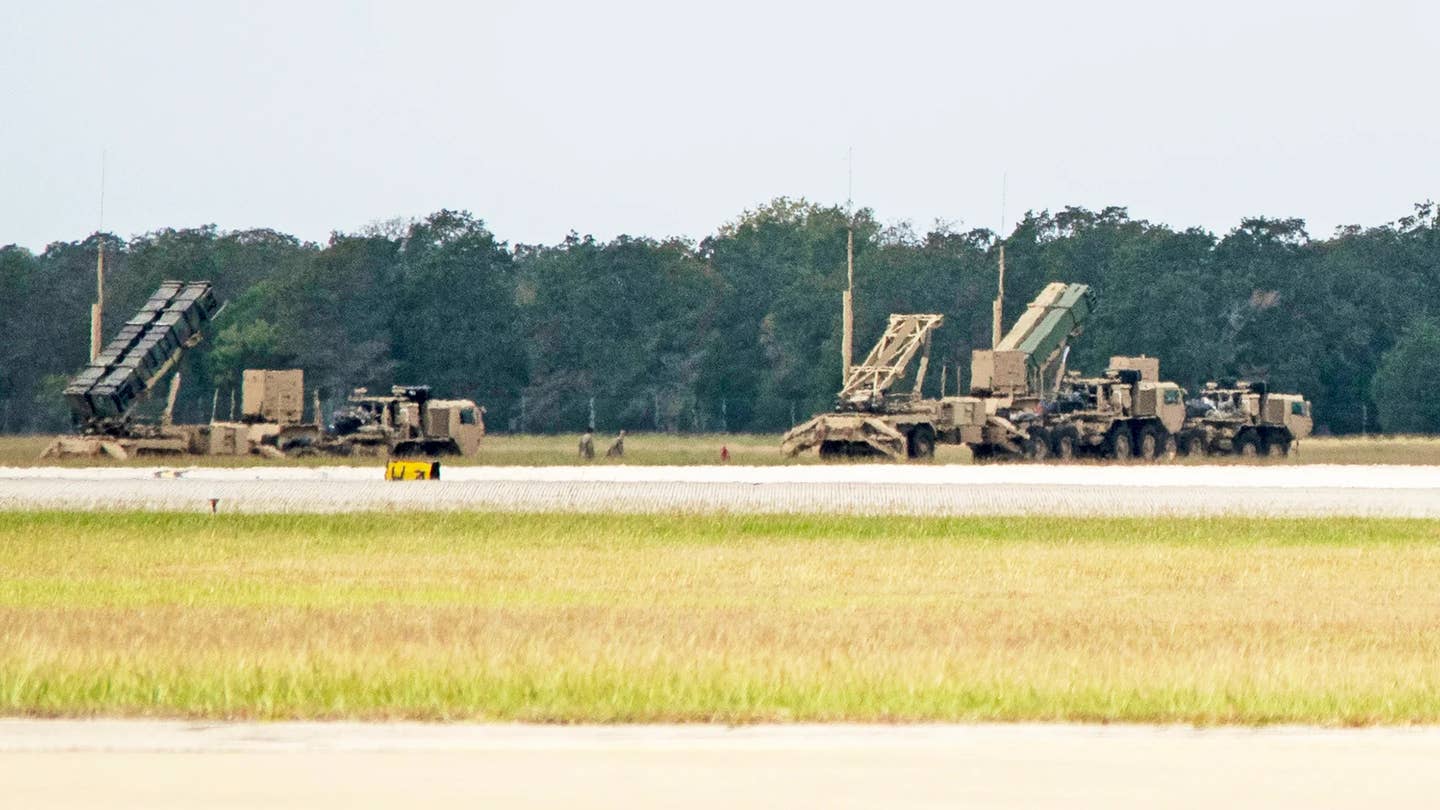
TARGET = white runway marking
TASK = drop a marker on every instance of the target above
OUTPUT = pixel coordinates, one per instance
(161, 764)
(1394, 491)
(1335, 476)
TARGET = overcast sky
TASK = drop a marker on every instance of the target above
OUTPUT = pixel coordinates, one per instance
(670, 118)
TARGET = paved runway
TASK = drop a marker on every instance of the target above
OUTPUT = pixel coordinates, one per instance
(1285, 490)
(159, 765)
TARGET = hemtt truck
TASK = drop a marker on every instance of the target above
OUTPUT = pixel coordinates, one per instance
(1245, 419)
(407, 422)
(1128, 412)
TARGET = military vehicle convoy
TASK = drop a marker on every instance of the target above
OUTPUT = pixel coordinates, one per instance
(1025, 404)
(105, 395)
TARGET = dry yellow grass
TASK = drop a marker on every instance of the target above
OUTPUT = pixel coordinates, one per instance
(640, 618)
(757, 449)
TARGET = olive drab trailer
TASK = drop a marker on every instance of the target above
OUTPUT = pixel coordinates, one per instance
(103, 396)
(1244, 419)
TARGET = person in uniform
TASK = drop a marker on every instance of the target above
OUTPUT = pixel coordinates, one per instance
(617, 449)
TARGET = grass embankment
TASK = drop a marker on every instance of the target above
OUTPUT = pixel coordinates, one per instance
(570, 618)
(668, 449)
(502, 450)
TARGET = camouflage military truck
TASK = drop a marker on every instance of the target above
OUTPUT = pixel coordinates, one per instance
(1128, 412)
(1244, 419)
(407, 422)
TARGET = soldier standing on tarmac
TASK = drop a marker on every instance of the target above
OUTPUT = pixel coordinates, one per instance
(587, 445)
(617, 449)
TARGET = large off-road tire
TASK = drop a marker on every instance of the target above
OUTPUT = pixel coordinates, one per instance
(1147, 443)
(441, 447)
(1120, 447)
(1194, 446)
(1065, 443)
(1169, 447)
(1247, 445)
(982, 454)
(1037, 446)
(1277, 444)
(921, 443)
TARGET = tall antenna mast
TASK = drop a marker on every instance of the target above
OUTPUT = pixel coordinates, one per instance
(97, 309)
(997, 317)
(847, 300)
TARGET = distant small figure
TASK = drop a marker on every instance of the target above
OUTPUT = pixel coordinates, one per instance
(587, 445)
(617, 449)
(724, 454)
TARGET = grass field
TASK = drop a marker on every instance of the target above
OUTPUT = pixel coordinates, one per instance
(568, 618)
(661, 448)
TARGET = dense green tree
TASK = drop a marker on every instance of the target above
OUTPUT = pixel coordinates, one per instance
(1405, 379)
(743, 328)
(456, 323)
(624, 322)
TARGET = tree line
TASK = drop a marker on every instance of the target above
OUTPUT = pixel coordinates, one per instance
(740, 331)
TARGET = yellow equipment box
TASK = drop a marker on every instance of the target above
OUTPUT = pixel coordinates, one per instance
(412, 471)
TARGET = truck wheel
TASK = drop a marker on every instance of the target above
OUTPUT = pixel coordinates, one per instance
(1037, 447)
(1280, 448)
(1120, 445)
(981, 454)
(1148, 446)
(1065, 442)
(1195, 445)
(921, 442)
(1169, 448)
(1247, 445)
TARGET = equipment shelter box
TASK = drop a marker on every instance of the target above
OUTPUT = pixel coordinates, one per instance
(273, 396)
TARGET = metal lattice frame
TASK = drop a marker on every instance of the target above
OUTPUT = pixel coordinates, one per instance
(886, 364)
